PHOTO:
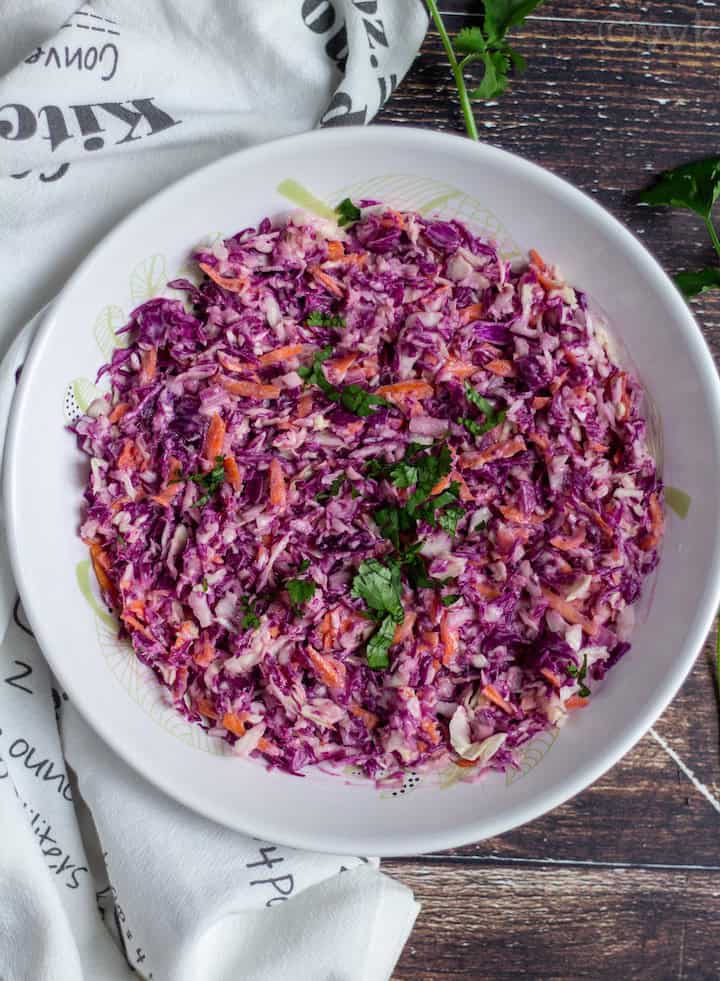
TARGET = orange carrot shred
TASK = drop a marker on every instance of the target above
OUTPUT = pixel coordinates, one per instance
(235, 284)
(214, 438)
(278, 491)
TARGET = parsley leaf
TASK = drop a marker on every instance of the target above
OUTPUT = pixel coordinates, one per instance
(448, 519)
(210, 482)
(333, 490)
(304, 565)
(347, 212)
(695, 186)
(316, 318)
(378, 647)
(354, 398)
(359, 401)
(580, 674)
(250, 619)
(379, 586)
(493, 416)
(487, 45)
(300, 591)
(449, 600)
(693, 283)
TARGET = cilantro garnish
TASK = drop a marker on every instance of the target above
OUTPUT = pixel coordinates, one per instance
(316, 318)
(250, 618)
(355, 399)
(488, 45)
(580, 674)
(300, 591)
(493, 416)
(695, 187)
(378, 584)
(304, 565)
(449, 600)
(333, 490)
(347, 212)
(211, 482)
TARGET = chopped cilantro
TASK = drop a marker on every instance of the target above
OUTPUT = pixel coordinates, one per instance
(493, 416)
(333, 490)
(347, 212)
(378, 647)
(300, 591)
(316, 318)
(250, 618)
(448, 519)
(354, 398)
(449, 600)
(379, 586)
(211, 482)
(304, 565)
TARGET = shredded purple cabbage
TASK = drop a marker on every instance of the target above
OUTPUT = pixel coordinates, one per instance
(220, 472)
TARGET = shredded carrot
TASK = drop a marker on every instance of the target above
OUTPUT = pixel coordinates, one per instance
(449, 639)
(136, 606)
(235, 284)
(235, 722)
(470, 313)
(128, 457)
(204, 652)
(232, 473)
(305, 405)
(505, 369)
(335, 251)
(486, 591)
(459, 369)
(330, 284)
(441, 485)
(230, 363)
(330, 670)
(551, 677)
(101, 564)
(118, 411)
(570, 542)
(282, 354)
(416, 388)
(167, 495)
(431, 638)
(557, 383)
(464, 763)
(214, 438)
(536, 259)
(148, 361)
(540, 401)
(597, 447)
(369, 718)
(404, 629)
(568, 612)
(249, 389)
(498, 451)
(494, 696)
(430, 727)
(204, 707)
(657, 523)
(576, 702)
(186, 631)
(278, 491)
(131, 621)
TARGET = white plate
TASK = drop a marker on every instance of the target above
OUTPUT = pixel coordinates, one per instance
(523, 206)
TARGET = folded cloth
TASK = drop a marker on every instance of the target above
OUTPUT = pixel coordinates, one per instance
(101, 106)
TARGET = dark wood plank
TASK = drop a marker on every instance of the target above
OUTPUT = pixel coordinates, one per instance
(494, 924)
(683, 13)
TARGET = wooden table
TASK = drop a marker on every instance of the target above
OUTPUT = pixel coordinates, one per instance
(624, 881)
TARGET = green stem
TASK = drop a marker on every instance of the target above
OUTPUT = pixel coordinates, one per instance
(713, 234)
(456, 70)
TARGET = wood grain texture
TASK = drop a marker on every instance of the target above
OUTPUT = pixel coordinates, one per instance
(623, 881)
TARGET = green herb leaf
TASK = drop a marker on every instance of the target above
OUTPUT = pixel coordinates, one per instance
(304, 565)
(204, 585)
(448, 519)
(693, 283)
(449, 600)
(416, 572)
(695, 186)
(347, 212)
(470, 40)
(300, 591)
(316, 318)
(378, 647)
(493, 416)
(313, 374)
(379, 586)
(359, 401)
(210, 482)
(333, 491)
(501, 15)
(250, 619)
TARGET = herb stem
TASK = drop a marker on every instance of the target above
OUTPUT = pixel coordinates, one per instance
(713, 234)
(457, 70)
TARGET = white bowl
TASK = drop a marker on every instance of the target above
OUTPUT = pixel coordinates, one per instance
(523, 206)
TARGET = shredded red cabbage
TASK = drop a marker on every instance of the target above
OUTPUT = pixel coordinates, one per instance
(241, 473)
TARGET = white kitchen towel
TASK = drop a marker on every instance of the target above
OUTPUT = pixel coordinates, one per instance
(100, 106)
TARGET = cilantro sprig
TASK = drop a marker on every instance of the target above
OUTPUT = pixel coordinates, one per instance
(316, 318)
(379, 585)
(488, 45)
(347, 212)
(493, 416)
(353, 398)
(579, 674)
(210, 481)
(694, 187)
